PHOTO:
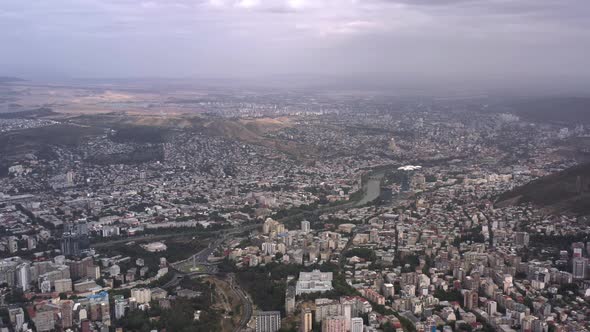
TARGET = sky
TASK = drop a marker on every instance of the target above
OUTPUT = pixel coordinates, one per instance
(426, 39)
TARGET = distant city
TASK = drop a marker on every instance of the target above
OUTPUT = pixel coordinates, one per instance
(127, 210)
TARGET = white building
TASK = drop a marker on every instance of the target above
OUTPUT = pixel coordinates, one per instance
(315, 281)
(141, 295)
(268, 321)
(492, 307)
(23, 276)
(305, 226)
(357, 325)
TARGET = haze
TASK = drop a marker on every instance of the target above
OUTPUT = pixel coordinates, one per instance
(423, 40)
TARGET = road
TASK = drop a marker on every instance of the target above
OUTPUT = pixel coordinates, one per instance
(200, 258)
(246, 304)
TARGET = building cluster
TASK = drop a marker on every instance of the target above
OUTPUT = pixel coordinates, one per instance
(400, 197)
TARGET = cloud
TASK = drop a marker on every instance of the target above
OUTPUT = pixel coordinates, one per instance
(258, 37)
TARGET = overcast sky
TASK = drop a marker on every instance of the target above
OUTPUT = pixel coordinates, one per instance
(227, 38)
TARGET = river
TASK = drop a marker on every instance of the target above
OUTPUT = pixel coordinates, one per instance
(372, 187)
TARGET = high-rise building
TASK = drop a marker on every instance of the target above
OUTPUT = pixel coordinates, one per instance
(305, 226)
(306, 320)
(44, 318)
(105, 313)
(141, 295)
(272, 226)
(119, 307)
(492, 307)
(290, 300)
(268, 321)
(8, 267)
(470, 299)
(66, 309)
(579, 267)
(69, 179)
(63, 285)
(334, 324)
(12, 244)
(81, 268)
(17, 318)
(357, 325)
(347, 313)
(85, 325)
(73, 243)
(23, 276)
(269, 248)
(388, 290)
(31, 243)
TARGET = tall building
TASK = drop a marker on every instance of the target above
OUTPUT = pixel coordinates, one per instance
(98, 308)
(269, 248)
(44, 318)
(347, 313)
(69, 179)
(23, 276)
(492, 307)
(63, 285)
(67, 313)
(334, 324)
(357, 325)
(71, 244)
(12, 244)
(268, 321)
(470, 299)
(81, 268)
(388, 290)
(271, 226)
(290, 300)
(305, 226)
(119, 307)
(325, 308)
(31, 243)
(306, 320)
(142, 295)
(17, 318)
(579, 267)
(85, 325)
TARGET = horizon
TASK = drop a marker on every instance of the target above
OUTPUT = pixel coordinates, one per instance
(476, 42)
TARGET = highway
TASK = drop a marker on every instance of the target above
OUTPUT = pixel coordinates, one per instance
(200, 259)
(247, 306)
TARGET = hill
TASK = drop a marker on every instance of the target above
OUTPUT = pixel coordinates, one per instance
(566, 192)
(253, 131)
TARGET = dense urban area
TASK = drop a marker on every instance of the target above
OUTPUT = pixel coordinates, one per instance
(294, 212)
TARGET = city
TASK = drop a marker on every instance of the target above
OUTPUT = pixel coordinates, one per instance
(331, 221)
(295, 166)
